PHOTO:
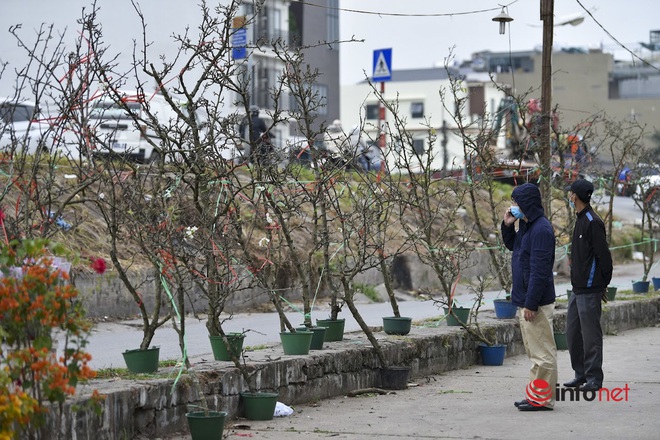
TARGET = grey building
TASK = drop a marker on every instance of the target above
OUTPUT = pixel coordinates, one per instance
(294, 25)
(316, 27)
(584, 83)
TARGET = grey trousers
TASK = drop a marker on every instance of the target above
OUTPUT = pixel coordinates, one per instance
(584, 336)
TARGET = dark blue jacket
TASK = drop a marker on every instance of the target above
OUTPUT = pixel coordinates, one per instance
(533, 247)
(591, 261)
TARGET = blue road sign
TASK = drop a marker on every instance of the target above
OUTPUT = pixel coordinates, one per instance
(382, 65)
(239, 40)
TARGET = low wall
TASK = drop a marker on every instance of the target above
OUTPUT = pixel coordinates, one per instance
(157, 407)
(104, 296)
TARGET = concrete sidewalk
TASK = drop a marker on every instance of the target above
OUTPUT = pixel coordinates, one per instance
(478, 403)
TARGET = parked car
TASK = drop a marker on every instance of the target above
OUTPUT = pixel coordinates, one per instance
(22, 130)
(119, 129)
(644, 178)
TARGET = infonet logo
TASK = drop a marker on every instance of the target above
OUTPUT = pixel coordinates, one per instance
(539, 393)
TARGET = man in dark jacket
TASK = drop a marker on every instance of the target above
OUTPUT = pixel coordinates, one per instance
(591, 272)
(253, 129)
(533, 290)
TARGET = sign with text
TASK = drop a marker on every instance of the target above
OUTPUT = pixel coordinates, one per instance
(239, 38)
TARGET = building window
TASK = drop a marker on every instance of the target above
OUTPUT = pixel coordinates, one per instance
(417, 109)
(373, 111)
(419, 146)
(333, 24)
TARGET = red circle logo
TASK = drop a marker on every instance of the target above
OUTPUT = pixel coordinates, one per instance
(539, 392)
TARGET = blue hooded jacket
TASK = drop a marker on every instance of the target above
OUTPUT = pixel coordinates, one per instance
(533, 247)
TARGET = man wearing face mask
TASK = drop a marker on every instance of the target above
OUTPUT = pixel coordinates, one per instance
(591, 272)
(533, 288)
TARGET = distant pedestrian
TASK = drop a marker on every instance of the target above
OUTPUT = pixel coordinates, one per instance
(533, 289)
(591, 272)
(253, 129)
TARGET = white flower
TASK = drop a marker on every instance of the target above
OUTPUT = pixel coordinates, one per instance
(190, 232)
(264, 242)
(269, 219)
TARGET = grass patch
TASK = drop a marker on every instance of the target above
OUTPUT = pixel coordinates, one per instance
(123, 373)
(169, 362)
(256, 347)
(429, 322)
(369, 291)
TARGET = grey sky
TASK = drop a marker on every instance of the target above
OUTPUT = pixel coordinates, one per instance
(415, 41)
(425, 41)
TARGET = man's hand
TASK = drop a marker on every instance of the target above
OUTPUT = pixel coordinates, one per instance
(509, 219)
(529, 315)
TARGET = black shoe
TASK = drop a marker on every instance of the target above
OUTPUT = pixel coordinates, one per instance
(520, 402)
(575, 383)
(590, 387)
(529, 407)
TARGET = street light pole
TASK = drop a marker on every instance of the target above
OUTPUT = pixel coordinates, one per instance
(547, 16)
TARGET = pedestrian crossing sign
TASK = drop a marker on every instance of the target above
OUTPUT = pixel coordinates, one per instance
(382, 65)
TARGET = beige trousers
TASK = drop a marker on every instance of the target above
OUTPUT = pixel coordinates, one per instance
(539, 340)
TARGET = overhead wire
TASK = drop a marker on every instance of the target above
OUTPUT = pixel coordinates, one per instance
(402, 14)
(609, 34)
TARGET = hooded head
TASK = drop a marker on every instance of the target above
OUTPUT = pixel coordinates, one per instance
(528, 198)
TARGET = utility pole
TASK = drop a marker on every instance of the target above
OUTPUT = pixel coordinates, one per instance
(547, 16)
(445, 153)
(381, 118)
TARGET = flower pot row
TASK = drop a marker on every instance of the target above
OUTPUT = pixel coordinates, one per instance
(209, 425)
(258, 405)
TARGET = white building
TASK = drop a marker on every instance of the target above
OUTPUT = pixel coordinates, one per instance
(425, 102)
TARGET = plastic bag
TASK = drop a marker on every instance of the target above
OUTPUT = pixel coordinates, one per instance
(281, 410)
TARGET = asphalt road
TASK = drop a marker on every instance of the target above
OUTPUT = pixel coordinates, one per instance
(110, 339)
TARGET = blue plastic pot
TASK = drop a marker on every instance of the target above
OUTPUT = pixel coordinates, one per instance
(504, 309)
(641, 286)
(656, 283)
(492, 354)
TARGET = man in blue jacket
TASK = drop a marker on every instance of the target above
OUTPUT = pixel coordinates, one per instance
(591, 272)
(533, 291)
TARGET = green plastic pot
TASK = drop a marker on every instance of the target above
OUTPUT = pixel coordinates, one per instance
(142, 361)
(317, 339)
(560, 341)
(220, 350)
(462, 313)
(394, 325)
(206, 426)
(296, 343)
(335, 329)
(611, 293)
(259, 406)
